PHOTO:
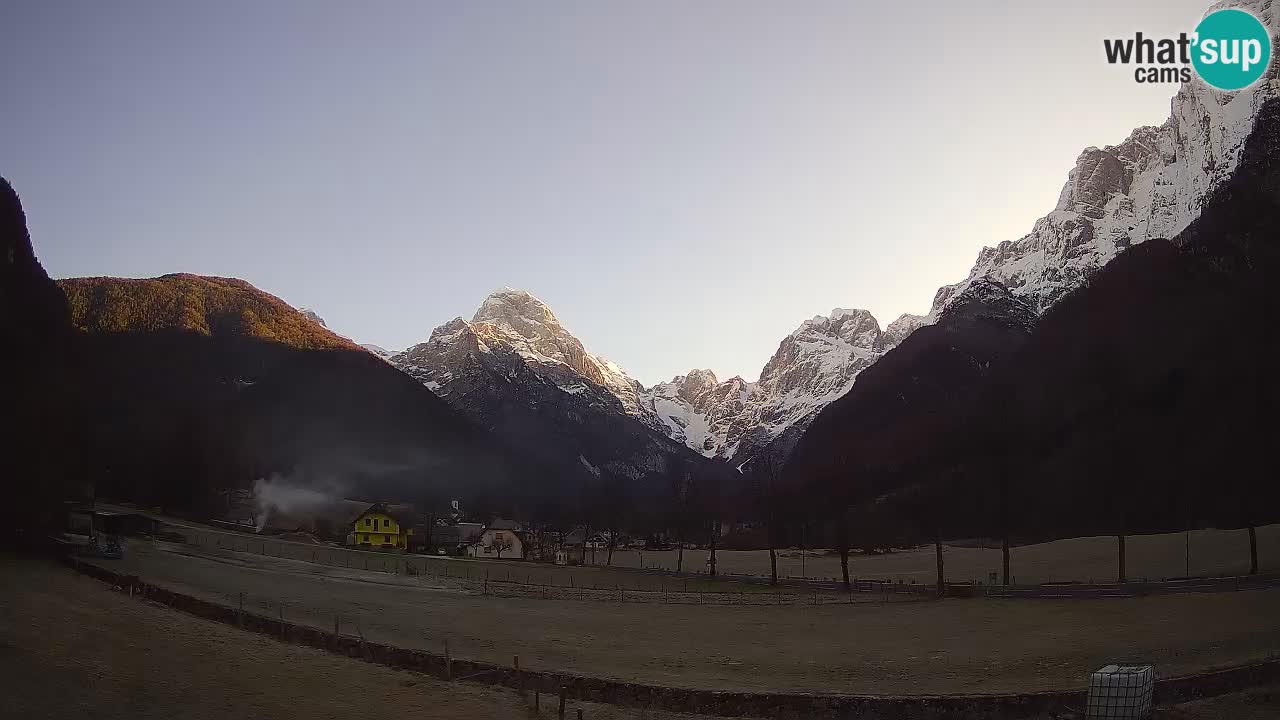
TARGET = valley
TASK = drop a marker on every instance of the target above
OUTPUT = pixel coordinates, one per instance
(1061, 473)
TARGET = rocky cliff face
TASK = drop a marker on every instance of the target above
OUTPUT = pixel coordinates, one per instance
(516, 336)
(1152, 185)
(40, 381)
(814, 365)
(516, 369)
(378, 350)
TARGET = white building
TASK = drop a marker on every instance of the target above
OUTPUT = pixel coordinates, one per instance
(501, 539)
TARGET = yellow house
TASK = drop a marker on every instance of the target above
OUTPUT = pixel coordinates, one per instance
(377, 528)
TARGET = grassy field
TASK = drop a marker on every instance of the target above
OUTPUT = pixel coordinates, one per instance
(513, 571)
(1213, 552)
(950, 646)
(70, 647)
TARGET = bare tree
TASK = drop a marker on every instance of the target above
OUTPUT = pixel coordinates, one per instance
(1120, 570)
(501, 543)
(842, 544)
(681, 491)
(937, 549)
(1253, 550)
(768, 472)
(715, 534)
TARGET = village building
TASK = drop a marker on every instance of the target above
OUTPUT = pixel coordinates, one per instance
(445, 539)
(501, 539)
(380, 528)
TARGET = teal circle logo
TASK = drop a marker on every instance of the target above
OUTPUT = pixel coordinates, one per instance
(1232, 49)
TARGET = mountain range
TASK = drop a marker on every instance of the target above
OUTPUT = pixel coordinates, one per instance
(187, 381)
(1141, 401)
(1151, 185)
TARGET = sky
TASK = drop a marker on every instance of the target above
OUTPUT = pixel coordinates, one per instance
(682, 182)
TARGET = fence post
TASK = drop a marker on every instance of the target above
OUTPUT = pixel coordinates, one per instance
(240, 612)
(519, 678)
(563, 692)
(448, 662)
(364, 649)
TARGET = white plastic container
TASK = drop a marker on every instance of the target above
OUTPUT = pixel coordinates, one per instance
(1121, 692)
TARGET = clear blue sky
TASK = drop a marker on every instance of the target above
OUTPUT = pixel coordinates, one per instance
(683, 182)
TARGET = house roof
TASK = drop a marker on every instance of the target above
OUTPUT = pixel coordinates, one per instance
(402, 514)
(469, 531)
(451, 534)
(445, 535)
(501, 524)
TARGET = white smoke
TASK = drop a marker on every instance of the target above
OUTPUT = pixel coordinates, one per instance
(279, 494)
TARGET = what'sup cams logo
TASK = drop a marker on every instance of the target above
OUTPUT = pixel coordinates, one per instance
(1229, 50)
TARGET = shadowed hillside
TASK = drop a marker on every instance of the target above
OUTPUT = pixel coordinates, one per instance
(40, 449)
(196, 384)
(1144, 401)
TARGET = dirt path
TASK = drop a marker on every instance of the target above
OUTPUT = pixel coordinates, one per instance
(952, 646)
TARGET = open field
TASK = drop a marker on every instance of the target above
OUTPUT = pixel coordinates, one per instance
(1155, 557)
(505, 571)
(70, 647)
(950, 646)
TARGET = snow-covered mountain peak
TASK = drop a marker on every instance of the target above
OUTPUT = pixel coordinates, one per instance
(378, 350)
(1152, 184)
(515, 306)
(515, 322)
(898, 330)
(311, 315)
(857, 327)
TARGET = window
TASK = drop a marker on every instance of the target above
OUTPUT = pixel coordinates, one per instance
(386, 523)
(386, 538)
